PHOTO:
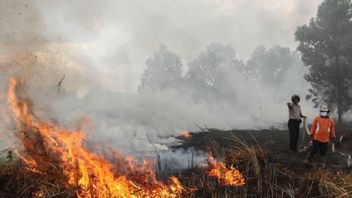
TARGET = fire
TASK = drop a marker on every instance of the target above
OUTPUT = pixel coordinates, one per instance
(48, 147)
(226, 176)
(186, 135)
(60, 153)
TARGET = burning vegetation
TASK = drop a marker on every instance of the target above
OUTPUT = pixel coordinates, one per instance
(49, 147)
(216, 87)
(55, 162)
(227, 176)
(186, 135)
(50, 161)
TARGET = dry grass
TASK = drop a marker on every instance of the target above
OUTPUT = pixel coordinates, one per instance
(267, 179)
(263, 178)
(18, 182)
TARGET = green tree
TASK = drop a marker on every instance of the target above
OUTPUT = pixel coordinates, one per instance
(164, 70)
(326, 47)
(208, 73)
(271, 65)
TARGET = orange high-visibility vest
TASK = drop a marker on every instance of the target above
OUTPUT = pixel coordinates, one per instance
(322, 129)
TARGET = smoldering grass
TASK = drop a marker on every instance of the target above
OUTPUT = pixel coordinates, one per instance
(267, 179)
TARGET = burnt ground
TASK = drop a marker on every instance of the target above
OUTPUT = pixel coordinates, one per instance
(278, 173)
(276, 144)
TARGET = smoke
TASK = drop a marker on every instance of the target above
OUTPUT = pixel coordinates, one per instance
(101, 46)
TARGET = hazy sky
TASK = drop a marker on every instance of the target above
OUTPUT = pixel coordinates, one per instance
(183, 25)
(117, 36)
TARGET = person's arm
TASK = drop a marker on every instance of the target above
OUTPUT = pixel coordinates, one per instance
(302, 116)
(313, 129)
(332, 130)
(300, 113)
(289, 105)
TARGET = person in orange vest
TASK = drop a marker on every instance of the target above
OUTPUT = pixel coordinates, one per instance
(321, 132)
(295, 115)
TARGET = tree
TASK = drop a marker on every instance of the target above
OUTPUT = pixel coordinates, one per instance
(207, 73)
(271, 65)
(164, 70)
(326, 47)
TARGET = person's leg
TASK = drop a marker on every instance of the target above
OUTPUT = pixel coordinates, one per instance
(291, 130)
(296, 134)
(322, 151)
(314, 150)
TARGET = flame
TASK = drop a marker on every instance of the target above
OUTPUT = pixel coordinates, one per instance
(47, 146)
(226, 176)
(186, 135)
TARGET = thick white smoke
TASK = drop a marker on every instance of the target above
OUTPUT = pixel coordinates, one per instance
(100, 47)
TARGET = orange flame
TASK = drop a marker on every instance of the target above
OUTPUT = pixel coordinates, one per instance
(226, 176)
(46, 145)
(186, 135)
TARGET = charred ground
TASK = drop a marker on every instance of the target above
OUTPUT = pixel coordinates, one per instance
(270, 169)
(273, 141)
(261, 156)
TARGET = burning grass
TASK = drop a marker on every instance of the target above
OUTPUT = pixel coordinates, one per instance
(265, 178)
(55, 163)
(59, 153)
(186, 135)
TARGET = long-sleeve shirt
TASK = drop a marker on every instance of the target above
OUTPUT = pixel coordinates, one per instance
(322, 129)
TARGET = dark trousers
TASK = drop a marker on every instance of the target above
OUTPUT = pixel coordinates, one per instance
(318, 146)
(293, 127)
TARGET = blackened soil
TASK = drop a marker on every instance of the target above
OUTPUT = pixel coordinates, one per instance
(276, 144)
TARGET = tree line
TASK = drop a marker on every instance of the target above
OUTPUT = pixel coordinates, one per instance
(210, 76)
(324, 47)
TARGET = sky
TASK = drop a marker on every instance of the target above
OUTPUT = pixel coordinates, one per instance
(183, 25)
(119, 35)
